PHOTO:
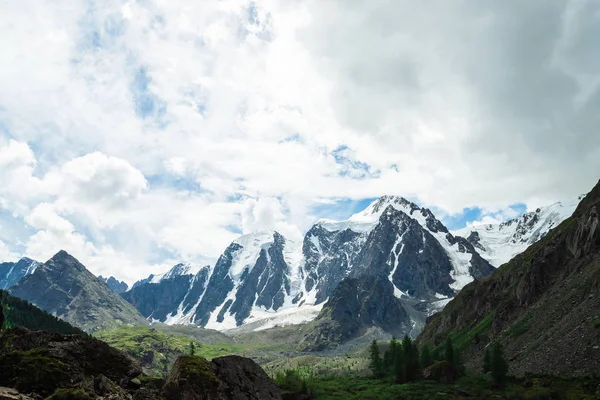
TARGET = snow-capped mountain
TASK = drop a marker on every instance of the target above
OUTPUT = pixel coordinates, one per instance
(257, 278)
(263, 279)
(176, 270)
(498, 243)
(11, 272)
(159, 296)
(393, 252)
(396, 238)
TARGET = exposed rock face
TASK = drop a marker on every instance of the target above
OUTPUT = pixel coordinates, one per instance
(410, 263)
(11, 273)
(114, 284)
(393, 238)
(543, 305)
(64, 287)
(354, 305)
(251, 274)
(240, 281)
(157, 301)
(224, 378)
(40, 362)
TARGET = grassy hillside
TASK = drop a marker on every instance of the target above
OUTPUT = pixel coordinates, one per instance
(157, 350)
(21, 313)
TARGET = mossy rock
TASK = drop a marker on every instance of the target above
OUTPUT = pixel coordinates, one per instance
(33, 371)
(152, 382)
(69, 394)
(191, 377)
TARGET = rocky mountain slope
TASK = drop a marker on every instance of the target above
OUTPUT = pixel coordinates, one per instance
(11, 272)
(164, 297)
(543, 305)
(114, 284)
(254, 279)
(63, 287)
(357, 304)
(498, 243)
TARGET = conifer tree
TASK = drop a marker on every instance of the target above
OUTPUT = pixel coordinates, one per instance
(389, 356)
(449, 351)
(1, 310)
(426, 359)
(499, 366)
(410, 359)
(487, 361)
(192, 349)
(399, 370)
(375, 364)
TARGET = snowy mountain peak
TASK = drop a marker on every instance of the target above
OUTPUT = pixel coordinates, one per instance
(260, 238)
(398, 202)
(498, 243)
(182, 269)
(366, 220)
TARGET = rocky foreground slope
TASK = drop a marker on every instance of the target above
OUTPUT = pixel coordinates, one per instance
(41, 364)
(543, 305)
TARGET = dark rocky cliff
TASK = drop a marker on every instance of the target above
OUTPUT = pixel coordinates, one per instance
(543, 305)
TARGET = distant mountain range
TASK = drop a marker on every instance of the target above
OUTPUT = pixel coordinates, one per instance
(388, 267)
(114, 284)
(264, 279)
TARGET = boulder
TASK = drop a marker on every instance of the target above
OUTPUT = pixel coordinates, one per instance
(225, 378)
(442, 372)
(243, 379)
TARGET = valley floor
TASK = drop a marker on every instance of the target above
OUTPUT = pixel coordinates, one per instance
(468, 387)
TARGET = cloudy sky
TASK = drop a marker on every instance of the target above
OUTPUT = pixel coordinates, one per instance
(135, 134)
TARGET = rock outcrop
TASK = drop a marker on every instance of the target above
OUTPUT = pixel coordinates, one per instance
(224, 378)
(41, 362)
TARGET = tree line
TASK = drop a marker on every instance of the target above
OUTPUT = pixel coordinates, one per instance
(15, 312)
(404, 362)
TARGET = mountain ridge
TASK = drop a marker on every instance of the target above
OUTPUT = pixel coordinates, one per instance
(552, 286)
(62, 286)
